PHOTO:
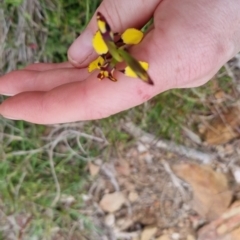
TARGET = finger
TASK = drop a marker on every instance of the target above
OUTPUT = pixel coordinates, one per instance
(84, 100)
(120, 15)
(26, 80)
(47, 66)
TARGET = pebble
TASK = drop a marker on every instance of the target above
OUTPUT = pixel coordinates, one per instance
(112, 202)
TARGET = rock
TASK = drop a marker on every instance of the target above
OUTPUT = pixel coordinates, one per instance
(110, 220)
(112, 202)
(236, 173)
(164, 237)
(67, 199)
(175, 236)
(141, 148)
(124, 223)
(98, 162)
(148, 158)
(148, 232)
(133, 196)
(86, 198)
(191, 237)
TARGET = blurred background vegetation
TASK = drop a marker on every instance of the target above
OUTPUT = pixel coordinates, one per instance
(43, 168)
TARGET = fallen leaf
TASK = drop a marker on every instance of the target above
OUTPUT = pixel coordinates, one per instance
(223, 128)
(220, 95)
(112, 202)
(93, 169)
(226, 227)
(148, 232)
(122, 167)
(211, 193)
(235, 234)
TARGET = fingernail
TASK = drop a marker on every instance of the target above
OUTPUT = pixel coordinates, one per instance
(81, 48)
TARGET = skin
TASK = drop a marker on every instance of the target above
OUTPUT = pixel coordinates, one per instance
(187, 45)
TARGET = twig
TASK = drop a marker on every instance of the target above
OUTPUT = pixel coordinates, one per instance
(108, 170)
(58, 188)
(206, 158)
(176, 181)
(71, 232)
(126, 235)
(230, 73)
(24, 174)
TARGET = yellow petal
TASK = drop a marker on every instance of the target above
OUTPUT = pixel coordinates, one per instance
(96, 64)
(132, 36)
(99, 44)
(104, 74)
(102, 26)
(130, 73)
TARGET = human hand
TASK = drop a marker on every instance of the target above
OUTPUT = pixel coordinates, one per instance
(189, 42)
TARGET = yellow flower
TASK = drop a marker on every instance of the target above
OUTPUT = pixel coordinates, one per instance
(96, 64)
(112, 48)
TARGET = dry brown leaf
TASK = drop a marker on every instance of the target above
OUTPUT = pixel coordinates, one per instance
(211, 193)
(220, 95)
(223, 128)
(226, 227)
(93, 169)
(122, 167)
(235, 235)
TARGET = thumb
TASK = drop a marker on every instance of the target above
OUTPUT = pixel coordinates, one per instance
(121, 14)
